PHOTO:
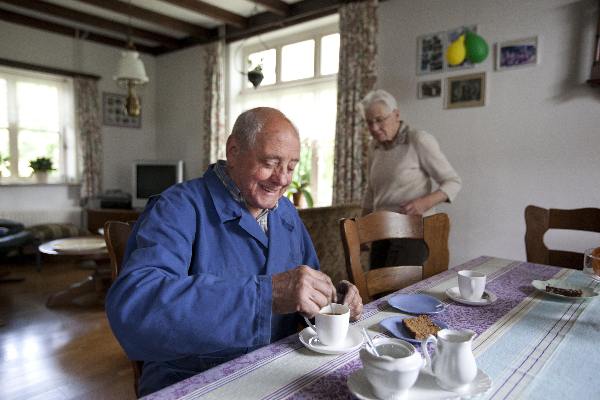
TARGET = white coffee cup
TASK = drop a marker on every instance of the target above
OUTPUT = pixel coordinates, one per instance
(331, 324)
(471, 284)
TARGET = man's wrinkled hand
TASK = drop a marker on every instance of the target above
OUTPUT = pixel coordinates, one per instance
(348, 294)
(302, 290)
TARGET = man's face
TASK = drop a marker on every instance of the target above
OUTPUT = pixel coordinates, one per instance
(383, 124)
(264, 171)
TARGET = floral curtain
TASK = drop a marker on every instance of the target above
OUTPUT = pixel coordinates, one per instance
(90, 139)
(356, 77)
(214, 100)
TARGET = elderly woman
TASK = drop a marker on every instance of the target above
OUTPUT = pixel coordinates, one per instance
(402, 163)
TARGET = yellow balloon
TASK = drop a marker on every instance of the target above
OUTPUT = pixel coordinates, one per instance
(457, 51)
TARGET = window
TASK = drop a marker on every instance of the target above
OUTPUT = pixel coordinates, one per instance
(36, 120)
(300, 80)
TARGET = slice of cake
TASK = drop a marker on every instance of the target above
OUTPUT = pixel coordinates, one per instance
(420, 327)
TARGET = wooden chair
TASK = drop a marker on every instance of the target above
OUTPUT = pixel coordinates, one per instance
(389, 225)
(116, 234)
(539, 220)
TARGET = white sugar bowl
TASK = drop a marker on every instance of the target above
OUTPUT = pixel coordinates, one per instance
(395, 370)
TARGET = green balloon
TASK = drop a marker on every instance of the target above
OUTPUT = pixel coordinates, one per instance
(477, 48)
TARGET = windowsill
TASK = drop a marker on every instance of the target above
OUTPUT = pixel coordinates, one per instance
(33, 183)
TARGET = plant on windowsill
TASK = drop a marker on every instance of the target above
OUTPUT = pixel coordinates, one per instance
(4, 163)
(300, 187)
(41, 166)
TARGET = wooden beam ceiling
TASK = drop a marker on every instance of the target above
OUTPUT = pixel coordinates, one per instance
(144, 14)
(21, 19)
(80, 17)
(210, 11)
(278, 7)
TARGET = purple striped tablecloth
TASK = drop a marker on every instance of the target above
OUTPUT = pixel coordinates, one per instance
(531, 345)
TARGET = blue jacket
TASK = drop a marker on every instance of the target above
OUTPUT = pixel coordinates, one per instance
(195, 288)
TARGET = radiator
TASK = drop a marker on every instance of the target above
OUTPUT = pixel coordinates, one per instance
(54, 215)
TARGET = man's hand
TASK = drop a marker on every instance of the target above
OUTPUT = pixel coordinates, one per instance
(415, 207)
(302, 290)
(348, 294)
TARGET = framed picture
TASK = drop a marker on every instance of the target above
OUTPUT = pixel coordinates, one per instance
(465, 90)
(451, 36)
(430, 53)
(517, 53)
(114, 113)
(429, 89)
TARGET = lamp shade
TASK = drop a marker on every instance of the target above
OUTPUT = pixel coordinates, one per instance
(131, 68)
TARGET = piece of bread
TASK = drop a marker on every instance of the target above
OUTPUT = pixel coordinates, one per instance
(563, 291)
(420, 327)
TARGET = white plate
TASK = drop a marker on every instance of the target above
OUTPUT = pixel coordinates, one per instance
(353, 341)
(78, 244)
(487, 298)
(587, 293)
(424, 389)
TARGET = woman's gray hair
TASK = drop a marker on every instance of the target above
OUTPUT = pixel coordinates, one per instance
(251, 122)
(376, 96)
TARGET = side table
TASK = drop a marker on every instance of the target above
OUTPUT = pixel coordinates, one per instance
(90, 291)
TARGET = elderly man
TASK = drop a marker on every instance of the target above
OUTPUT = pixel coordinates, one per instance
(218, 266)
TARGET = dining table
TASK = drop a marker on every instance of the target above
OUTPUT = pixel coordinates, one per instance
(530, 344)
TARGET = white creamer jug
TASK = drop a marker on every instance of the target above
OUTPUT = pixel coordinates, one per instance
(453, 364)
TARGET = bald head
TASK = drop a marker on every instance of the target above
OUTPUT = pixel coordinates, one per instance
(250, 123)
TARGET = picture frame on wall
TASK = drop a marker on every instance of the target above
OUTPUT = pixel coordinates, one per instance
(115, 114)
(430, 53)
(451, 36)
(465, 90)
(429, 89)
(517, 53)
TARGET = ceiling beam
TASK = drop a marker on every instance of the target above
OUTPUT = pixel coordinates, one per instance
(275, 6)
(36, 23)
(144, 14)
(77, 16)
(211, 11)
(298, 12)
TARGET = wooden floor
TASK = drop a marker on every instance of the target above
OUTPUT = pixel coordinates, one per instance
(61, 353)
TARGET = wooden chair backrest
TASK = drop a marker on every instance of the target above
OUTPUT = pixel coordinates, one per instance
(539, 220)
(389, 225)
(116, 234)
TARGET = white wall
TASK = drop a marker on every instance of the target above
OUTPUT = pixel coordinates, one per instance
(121, 146)
(537, 139)
(180, 109)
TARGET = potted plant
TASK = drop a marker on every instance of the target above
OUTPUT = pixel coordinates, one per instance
(4, 163)
(300, 186)
(41, 166)
(255, 76)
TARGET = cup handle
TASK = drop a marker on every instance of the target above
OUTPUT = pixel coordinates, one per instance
(310, 324)
(428, 365)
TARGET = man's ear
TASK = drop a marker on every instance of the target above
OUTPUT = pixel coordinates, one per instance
(232, 148)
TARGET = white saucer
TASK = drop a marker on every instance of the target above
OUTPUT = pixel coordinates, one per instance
(586, 292)
(487, 298)
(424, 389)
(353, 341)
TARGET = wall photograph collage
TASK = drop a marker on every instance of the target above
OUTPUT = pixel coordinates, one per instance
(465, 90)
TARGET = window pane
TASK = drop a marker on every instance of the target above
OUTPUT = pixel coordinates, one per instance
(3, 105)
(330, 49)
(4, 150)
(38, 106)
(298, 60)
(267, 59)
(37, 144)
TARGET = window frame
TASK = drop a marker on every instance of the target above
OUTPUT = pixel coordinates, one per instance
(277, 44)
(69, 169)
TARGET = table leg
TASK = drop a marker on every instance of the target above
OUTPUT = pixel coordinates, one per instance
(88, 292)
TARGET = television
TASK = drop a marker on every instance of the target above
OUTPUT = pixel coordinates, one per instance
(151, 177)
